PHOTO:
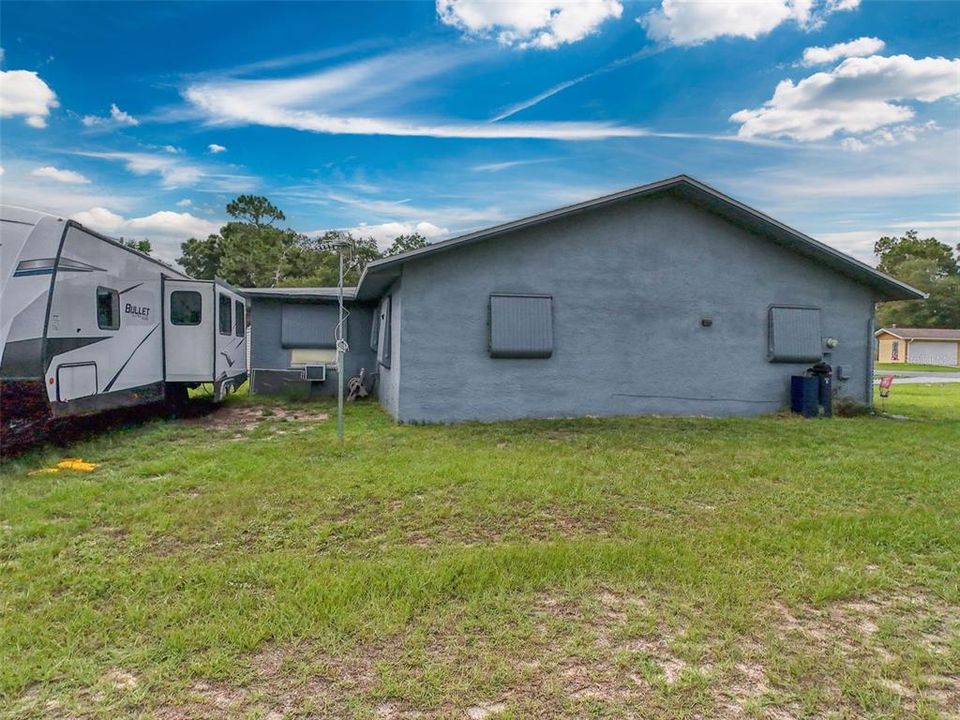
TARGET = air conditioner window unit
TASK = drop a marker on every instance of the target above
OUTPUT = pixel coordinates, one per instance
(315, 372)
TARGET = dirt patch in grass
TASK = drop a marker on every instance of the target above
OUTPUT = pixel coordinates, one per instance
(611, 653)
(245, 419)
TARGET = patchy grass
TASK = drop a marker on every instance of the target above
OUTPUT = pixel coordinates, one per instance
(913, 367)
(246, 565)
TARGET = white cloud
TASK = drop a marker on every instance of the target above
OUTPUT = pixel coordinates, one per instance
(363, 97)
(884, 137)
(172, 149)
(166, 222)
(23, 92)
(65, 176)
(186, 202)
(499, 166)
(165, 229)
(116, 118)
(544, 24)
(100, 219)
(2, 171)
(405, 209)
(385, 233)
(682, 22)
(856, 97)
(861, 47)
(214, 148)
(859, 243)
(176, 172)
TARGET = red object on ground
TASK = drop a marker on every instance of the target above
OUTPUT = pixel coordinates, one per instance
(885, 384)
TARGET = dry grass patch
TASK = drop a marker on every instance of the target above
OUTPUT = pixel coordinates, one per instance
(246, 418)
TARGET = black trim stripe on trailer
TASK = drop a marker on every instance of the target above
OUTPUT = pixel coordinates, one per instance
(132, 287)
(110, 384)
(45, 266)
(163, 328)
(53, 282)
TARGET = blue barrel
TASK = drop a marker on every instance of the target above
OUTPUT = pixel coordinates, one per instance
(805, 395)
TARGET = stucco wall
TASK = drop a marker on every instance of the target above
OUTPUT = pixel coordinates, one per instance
(388, 383)
(266, 350)
(630, 285)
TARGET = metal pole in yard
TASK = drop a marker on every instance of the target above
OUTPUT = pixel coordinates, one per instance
(340, 353)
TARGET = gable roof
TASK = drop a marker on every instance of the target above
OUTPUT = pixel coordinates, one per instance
(379, 274)
(921, 333)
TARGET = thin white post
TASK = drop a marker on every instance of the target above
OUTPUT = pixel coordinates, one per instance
(340, 353)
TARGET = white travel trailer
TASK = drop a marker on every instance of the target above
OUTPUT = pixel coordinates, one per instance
(87, 324)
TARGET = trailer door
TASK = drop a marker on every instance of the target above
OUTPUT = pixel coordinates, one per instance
(231, 341)
(188, 330)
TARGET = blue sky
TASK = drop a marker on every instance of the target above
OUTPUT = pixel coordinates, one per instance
(838, 117)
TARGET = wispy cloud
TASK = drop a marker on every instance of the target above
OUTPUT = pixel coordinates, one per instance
(566, 84)
(367, 97)
(116, 118)
(175, 171)
(499, 166)
(69, 177)
(861, 47)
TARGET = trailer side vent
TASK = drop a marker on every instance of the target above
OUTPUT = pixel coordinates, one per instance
(794, 334)
(521, 326)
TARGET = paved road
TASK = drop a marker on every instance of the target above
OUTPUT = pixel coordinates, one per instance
(915, 373)
(915, 378)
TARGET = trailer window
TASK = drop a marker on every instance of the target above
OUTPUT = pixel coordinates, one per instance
(108, 309)
(185, 307)
(226, 321)
(240, 324)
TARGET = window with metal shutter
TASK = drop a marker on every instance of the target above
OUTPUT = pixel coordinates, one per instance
(385, 351)
(521, 326)
(308, 325)
(794, 334)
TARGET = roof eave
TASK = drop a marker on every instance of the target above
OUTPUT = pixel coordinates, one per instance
(887, 287)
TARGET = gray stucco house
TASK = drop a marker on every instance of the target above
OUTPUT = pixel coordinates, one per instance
(669, 298)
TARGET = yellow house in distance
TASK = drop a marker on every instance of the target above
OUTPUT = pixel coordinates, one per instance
(925, 346)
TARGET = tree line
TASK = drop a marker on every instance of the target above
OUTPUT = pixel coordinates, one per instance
(928, 265)
(252, 250)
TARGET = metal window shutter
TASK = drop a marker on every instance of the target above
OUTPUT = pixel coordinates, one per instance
(308, 326)
(521, 326)
(795, 335)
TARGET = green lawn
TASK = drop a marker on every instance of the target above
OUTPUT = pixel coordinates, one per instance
(914, 367)
(246, 565)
